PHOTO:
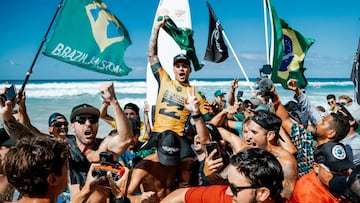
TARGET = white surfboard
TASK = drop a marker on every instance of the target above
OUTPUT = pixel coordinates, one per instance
(179, 12)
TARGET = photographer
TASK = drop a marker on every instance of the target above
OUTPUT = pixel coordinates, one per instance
(117, 186)
(86, 147)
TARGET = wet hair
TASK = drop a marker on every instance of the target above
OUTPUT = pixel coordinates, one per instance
(321, 108)
(32, 160)
(133, 107)
(341, 125)
(330, 96)
(261, 168)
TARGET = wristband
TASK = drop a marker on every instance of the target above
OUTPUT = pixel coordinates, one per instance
(196, 116)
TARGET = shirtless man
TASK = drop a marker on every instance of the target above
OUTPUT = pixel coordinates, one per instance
(158, 172)
(263, 132)
(85, 147)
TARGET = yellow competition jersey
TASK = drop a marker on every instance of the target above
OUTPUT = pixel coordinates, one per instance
(170, 112)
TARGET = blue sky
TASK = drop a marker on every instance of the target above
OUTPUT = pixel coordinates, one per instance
(335, 25)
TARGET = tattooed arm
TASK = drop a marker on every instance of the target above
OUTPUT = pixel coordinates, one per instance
(152, 50)
(15, 129)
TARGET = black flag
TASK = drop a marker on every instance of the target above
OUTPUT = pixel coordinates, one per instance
(355, 73)
(216, 50)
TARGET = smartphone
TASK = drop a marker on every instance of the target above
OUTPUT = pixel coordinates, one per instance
(11, 92)
(239, 94)
(211, 146)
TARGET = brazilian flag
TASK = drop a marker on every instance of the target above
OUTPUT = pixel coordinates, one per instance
(88, 35)
(288, 50)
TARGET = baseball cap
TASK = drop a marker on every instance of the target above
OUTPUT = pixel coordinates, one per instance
(219, 93)
(168, 148)
(53, 117)
(132, 106)
(255, 101)
(181, 58)
(5, 139)
(82, 109)
(135, 124)
(268, 121)
(334, 156)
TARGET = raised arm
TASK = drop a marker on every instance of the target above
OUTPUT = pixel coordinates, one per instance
(24, 118)
(146, 118)
(15, 129)
(152, 50)
(281, 111)
(104, 114)
(119, 143)
(304, 103)
(192, 105)
(231, 96)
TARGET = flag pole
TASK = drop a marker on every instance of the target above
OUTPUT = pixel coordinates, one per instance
(266, 34)
(237, 60)
(29, 72)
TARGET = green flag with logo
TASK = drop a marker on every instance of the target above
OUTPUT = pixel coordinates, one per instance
(88, 35)
(288, 50)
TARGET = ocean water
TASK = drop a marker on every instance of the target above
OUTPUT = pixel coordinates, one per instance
(43, 97)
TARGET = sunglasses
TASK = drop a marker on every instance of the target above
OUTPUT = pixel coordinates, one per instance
(331, 102)
(235, 189)
(60, 124)
(83, 119)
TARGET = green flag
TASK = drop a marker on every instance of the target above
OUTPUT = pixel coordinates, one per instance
(88, 35)
(184, 38)
(288, 50)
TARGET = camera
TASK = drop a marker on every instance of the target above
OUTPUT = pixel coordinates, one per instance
(10, 94)
(107, 163)
(266, 70)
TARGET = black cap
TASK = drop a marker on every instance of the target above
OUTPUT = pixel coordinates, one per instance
(5, 139)
(132, 106)
(168, 148)
(84, 109)
(334, 156)
(269, 121)
(181, 58)
(53, 117)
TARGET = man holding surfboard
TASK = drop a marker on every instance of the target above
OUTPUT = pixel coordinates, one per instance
(171, 112)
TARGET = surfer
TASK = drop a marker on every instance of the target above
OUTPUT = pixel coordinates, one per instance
(170, 110)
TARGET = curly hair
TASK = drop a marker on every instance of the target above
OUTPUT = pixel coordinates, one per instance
(261, 168)
(31, 160)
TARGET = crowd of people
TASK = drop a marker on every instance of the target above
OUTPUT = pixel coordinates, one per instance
(195, 150)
